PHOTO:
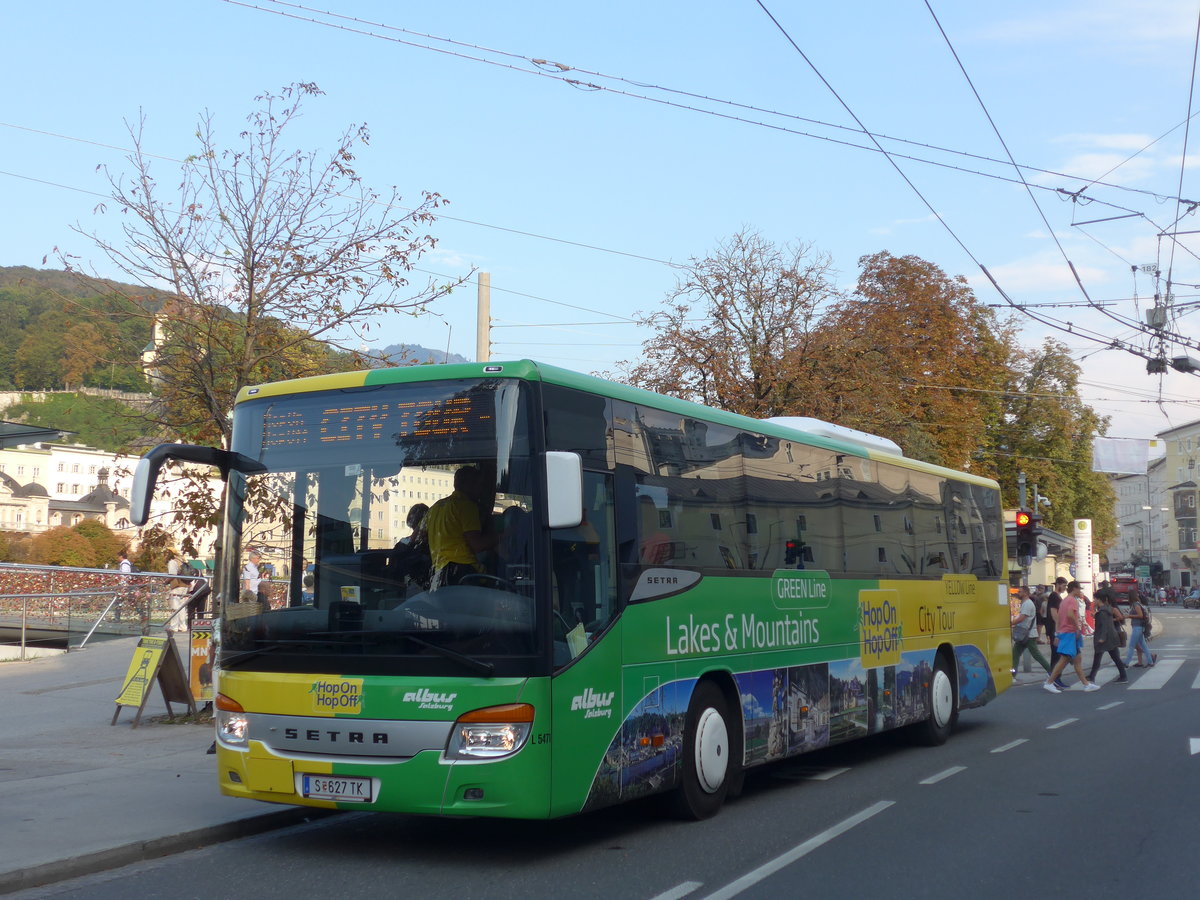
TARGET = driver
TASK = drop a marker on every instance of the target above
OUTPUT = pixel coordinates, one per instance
(455, 531)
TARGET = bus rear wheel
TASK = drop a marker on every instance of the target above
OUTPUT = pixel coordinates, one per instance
(943, 706)
(709, 767)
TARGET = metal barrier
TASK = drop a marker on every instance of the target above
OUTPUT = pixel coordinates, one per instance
(52, 603)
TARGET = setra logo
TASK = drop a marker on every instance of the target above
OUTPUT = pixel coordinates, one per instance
(598, 706)
(427, 699)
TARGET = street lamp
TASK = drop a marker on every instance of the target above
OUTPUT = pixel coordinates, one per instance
(1150, 528)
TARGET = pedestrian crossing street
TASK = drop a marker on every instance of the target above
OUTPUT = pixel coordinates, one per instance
(1171, 659)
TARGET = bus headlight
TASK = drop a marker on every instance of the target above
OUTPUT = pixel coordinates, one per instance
(490, 733)
(233, 725)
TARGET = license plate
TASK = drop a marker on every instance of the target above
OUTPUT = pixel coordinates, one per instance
(343, 788)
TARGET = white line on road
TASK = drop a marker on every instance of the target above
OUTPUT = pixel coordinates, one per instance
(1196, 683)
(1110, 705)
(934, 779)
(1194, 745)
(770, 868)
(1060, 724)
(1156, 677)
(680, 890)
(829, 773)
(1017, 743)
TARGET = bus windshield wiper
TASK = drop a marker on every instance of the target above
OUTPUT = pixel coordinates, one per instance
(483, 668)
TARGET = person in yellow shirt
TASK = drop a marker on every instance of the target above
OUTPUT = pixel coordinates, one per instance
(455, 530)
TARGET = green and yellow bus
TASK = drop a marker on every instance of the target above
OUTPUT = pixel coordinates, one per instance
(669, 594)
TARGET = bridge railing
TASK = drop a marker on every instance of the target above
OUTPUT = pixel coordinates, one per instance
(46, 603)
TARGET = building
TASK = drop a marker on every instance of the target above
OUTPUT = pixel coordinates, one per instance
(1176, 543)
(45, 485)
(1141, 501)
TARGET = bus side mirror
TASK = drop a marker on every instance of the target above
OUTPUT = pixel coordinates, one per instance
(146, 473)
(564, 489)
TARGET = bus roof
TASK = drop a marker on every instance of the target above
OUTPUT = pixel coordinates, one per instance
(531, 370)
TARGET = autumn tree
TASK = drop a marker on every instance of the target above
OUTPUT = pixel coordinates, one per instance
(256, 259)
(920, 359)
(105, 543)
(62, 546)
(740, 329)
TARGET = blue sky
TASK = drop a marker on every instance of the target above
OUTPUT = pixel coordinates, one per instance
(578, 201)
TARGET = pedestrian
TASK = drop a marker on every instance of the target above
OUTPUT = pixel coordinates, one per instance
(1068, 628)
(177, 592)
(1106, 638)
(1053, 601)
(1024, 631)
(1039, 602)
(1137, 637)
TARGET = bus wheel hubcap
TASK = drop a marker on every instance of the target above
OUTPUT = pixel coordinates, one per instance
(712, 750)
(943, 698)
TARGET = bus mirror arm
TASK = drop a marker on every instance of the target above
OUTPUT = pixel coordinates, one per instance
(146, 474)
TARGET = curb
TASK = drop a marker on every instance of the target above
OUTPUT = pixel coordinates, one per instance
(156, 848)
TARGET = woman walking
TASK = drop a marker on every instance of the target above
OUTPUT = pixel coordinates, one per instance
(1106, 639)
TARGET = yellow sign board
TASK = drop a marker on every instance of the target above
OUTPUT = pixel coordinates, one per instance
(155, 659)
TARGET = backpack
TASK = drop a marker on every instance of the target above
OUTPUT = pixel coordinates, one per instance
(187, 570)
(1147, 622)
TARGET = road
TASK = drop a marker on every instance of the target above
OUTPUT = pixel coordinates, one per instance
(1089, 794)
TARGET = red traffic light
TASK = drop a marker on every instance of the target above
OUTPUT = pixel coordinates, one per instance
(1024, 518)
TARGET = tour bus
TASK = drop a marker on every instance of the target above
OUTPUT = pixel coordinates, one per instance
(672, 594)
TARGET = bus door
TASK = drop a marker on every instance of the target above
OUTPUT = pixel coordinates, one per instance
(587, 645)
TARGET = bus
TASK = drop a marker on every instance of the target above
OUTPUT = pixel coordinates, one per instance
(671, 595)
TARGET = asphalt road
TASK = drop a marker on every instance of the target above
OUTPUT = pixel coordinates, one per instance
(1074, 794)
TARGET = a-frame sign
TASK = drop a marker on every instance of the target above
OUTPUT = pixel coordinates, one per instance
(154, 659)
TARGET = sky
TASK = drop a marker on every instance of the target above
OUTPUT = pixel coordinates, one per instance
(583, 190)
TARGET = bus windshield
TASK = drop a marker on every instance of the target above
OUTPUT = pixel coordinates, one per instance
(389, 533)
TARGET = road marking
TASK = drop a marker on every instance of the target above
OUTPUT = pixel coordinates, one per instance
(1110, 705)
(1196, 683)
(1017, 743)
(1060, 724)
(680, 890)
(798, 852)
(934, 779)
(1153, 679)
(828, 773)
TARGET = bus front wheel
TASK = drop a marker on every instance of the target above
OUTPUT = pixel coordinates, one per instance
(943, 706)
(708, 764)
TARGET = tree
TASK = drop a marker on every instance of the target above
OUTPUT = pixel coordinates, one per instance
(257, 237)
(105, 544)
(739, 331)
(256, 265)
(922, 361)
(61, 546)
(1046, 432)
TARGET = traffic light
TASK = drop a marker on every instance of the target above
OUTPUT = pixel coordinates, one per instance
(1027, 534)
(793, 553)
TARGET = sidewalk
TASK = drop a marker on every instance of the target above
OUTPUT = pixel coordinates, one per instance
(82, 796)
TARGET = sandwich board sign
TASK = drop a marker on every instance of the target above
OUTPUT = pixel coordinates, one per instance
(155, 659)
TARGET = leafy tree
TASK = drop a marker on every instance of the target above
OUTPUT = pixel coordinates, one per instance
(154, 549)
(62, 546)
(1046, 432)
(96, 421)
(741, 329)
(922, 361)
(105, 544)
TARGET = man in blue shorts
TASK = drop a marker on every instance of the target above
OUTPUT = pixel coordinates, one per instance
(1070, 647)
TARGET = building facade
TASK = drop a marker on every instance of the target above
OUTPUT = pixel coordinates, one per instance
(1181, 553)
